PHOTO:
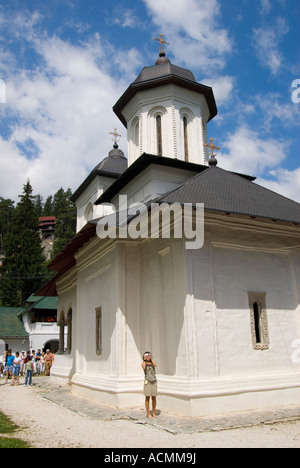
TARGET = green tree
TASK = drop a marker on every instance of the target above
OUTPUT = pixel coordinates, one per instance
(48, 206)
(6, 214)
(65, 212)
(38, 201)
(23, 270)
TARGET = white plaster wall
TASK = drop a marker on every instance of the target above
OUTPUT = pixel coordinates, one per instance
(86, 210)
(97, 287)
(64, 365)
(154, 306)
(155, 181)
(17, 344)
(236, 272)
(172, 102)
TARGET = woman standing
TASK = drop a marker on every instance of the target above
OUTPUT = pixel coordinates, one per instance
(150, 384)
(16, 369)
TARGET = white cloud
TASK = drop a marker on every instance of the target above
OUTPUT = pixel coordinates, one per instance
(286, 182)
(125, 17)
(192, 27)
(275, 108)
(266, 44)
(14, 170)
(265, 7)
(61, 110)
(248, 152)
(222, 87)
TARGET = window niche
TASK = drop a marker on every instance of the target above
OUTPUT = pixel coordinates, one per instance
(185, 137)
(259, 320)
(159, 135)
(157, 142)
(186, 133)
(65, 332)
(99, 331)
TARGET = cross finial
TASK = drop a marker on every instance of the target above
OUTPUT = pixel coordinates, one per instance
(162, 41)
(212, 161)
(116, 135)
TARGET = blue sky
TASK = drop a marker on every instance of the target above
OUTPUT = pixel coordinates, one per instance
(65, 63)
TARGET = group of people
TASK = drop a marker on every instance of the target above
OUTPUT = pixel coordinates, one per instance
(31, 363)
(25, 363)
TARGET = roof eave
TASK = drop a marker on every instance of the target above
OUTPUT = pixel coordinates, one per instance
(194, 86)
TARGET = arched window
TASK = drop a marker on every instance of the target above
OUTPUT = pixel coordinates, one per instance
(137, 134)
(257, 322)
(159, 135)
(185, 136)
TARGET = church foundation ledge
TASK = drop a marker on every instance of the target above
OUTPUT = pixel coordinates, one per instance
(183, 387)
(199, 398)
(108, 383)
(63, 368)
(223, 386)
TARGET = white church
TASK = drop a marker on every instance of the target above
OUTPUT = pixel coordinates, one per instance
(222, 321)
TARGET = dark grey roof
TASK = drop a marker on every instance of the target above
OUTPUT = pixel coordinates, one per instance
(164, 69)
(138, 166)
(228, 192)
(115, 163)
(141, 164)
(159, 75)
(112, 166)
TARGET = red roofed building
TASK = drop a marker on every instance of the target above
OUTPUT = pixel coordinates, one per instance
(47, 233)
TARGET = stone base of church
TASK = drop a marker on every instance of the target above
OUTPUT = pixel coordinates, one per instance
(226, 404)
(63, 369)
(110, 391)
(226, 395)
(194, 398)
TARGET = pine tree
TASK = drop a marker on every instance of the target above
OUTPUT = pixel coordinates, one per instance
(23, 270)
(65, 212)
(6, 213)
(38, 201)
(48, 206)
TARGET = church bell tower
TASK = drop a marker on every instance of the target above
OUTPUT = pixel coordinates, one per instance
(166, 112)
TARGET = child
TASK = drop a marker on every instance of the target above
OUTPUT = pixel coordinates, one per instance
(29, 370)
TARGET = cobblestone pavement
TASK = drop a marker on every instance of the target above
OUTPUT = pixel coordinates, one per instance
(62, 395)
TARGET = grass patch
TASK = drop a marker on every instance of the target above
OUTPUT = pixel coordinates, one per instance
(6, 425)
(13, 443)
(9, 427)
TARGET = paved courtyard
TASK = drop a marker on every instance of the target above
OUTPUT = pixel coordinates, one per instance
(62, 419)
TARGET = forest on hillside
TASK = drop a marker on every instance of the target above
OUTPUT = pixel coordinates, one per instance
(24, 269)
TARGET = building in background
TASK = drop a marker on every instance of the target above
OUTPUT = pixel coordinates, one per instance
(13, 334)
(47, 234)
(40, 322)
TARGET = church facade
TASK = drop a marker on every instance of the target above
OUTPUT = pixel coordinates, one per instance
(222, 320)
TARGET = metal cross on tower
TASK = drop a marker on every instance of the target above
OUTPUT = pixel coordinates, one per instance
(162, 41)
(116, 135)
